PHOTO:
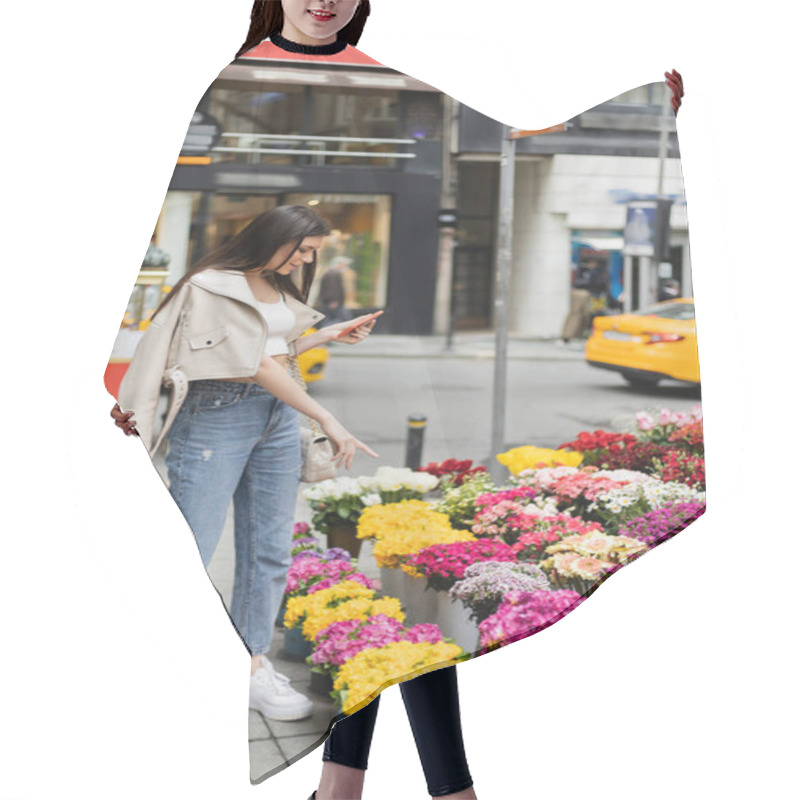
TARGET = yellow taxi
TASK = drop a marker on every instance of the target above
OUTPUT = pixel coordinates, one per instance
(649, 345)
(312, 362)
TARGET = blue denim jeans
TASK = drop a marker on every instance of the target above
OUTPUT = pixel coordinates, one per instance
(235, 441)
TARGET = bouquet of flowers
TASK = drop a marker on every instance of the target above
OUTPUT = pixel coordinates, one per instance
(338, 501)
(444, 564)
(577, 491)
(400, 529)
(532, 544)
(689, 437)
(342, 500)
(541, 479)
(301, 530)
(662, 523)
(611, 451)
(345, 600)
(635, 499)
(312, 574)
(452, 472)
(579, 560)
(305, 545)
(485, 584)
(360, 678)
(658, 426)
(505, 513)
(458, 502)
(527, 457)
(684, 467)
(393, 484)
(522, 614)
(339, 642)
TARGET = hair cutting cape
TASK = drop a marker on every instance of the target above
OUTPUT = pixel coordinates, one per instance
(483, 522)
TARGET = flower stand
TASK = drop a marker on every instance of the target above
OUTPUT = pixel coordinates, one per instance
(392, 584)
(419, 603)
(321, 684)
(344, 536)
(295, 646)
(454, 619)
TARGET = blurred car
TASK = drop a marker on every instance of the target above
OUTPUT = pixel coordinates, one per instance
(649, 345)
(312, 362)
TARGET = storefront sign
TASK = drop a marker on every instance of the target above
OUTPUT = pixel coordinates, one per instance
(203, 134)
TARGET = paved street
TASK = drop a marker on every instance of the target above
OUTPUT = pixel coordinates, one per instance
(552, 395)
(373, 387)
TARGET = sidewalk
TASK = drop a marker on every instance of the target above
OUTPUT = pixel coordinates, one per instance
(274, 743)
(465, 345)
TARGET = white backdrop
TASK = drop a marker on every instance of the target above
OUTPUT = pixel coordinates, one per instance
(121, 675)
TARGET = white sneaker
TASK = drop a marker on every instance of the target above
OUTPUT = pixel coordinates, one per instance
(273, 696)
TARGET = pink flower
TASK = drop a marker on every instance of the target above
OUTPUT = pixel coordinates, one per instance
(667, 417)
(645, 421)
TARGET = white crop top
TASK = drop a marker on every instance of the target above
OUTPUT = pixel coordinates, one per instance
(280, 320)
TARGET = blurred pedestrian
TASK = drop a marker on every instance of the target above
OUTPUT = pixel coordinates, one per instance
(586, 300)
(332, 292)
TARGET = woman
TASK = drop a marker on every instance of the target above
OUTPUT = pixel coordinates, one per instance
(222, 337)
(319, 28)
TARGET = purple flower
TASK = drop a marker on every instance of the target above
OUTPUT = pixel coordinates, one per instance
(340, 641)
(336, 553)
(522, 614)
(662, 523)
(424, 632)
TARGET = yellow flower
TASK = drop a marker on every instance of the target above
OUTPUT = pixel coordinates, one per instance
(300, 608)
(406, 527)
(362, 676)
(530, 457)
(358, 608)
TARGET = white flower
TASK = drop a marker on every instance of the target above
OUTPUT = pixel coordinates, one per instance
(371, 500)
(629, 475)
(542, 507)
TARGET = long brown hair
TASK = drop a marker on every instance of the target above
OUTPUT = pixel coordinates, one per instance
(266, 19)
(257, 243)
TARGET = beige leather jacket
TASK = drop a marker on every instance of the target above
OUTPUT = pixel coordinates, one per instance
(211, 329)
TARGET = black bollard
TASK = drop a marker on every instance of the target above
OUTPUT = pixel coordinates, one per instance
(414, 439)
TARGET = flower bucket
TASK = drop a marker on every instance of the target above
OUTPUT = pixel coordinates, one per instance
(344, 536)
(321, 684)
(419, 603)
(392, 583)
(295, 646)
(453, 617)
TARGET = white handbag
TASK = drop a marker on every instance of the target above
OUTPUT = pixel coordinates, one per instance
(317, 448)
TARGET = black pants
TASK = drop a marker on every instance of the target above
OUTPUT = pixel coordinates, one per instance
(431, 702)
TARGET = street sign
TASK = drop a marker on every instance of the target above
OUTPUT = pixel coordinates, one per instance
(647, 229)
(518, 133)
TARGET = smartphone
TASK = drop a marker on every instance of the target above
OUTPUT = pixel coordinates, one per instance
(363, 320)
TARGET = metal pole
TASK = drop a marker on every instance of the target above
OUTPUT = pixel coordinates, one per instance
(501, 297)
(451, 316)
(627, 282)
(414, 440)
(663, 140)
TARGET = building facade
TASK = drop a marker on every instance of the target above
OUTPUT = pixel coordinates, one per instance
(380, 154)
